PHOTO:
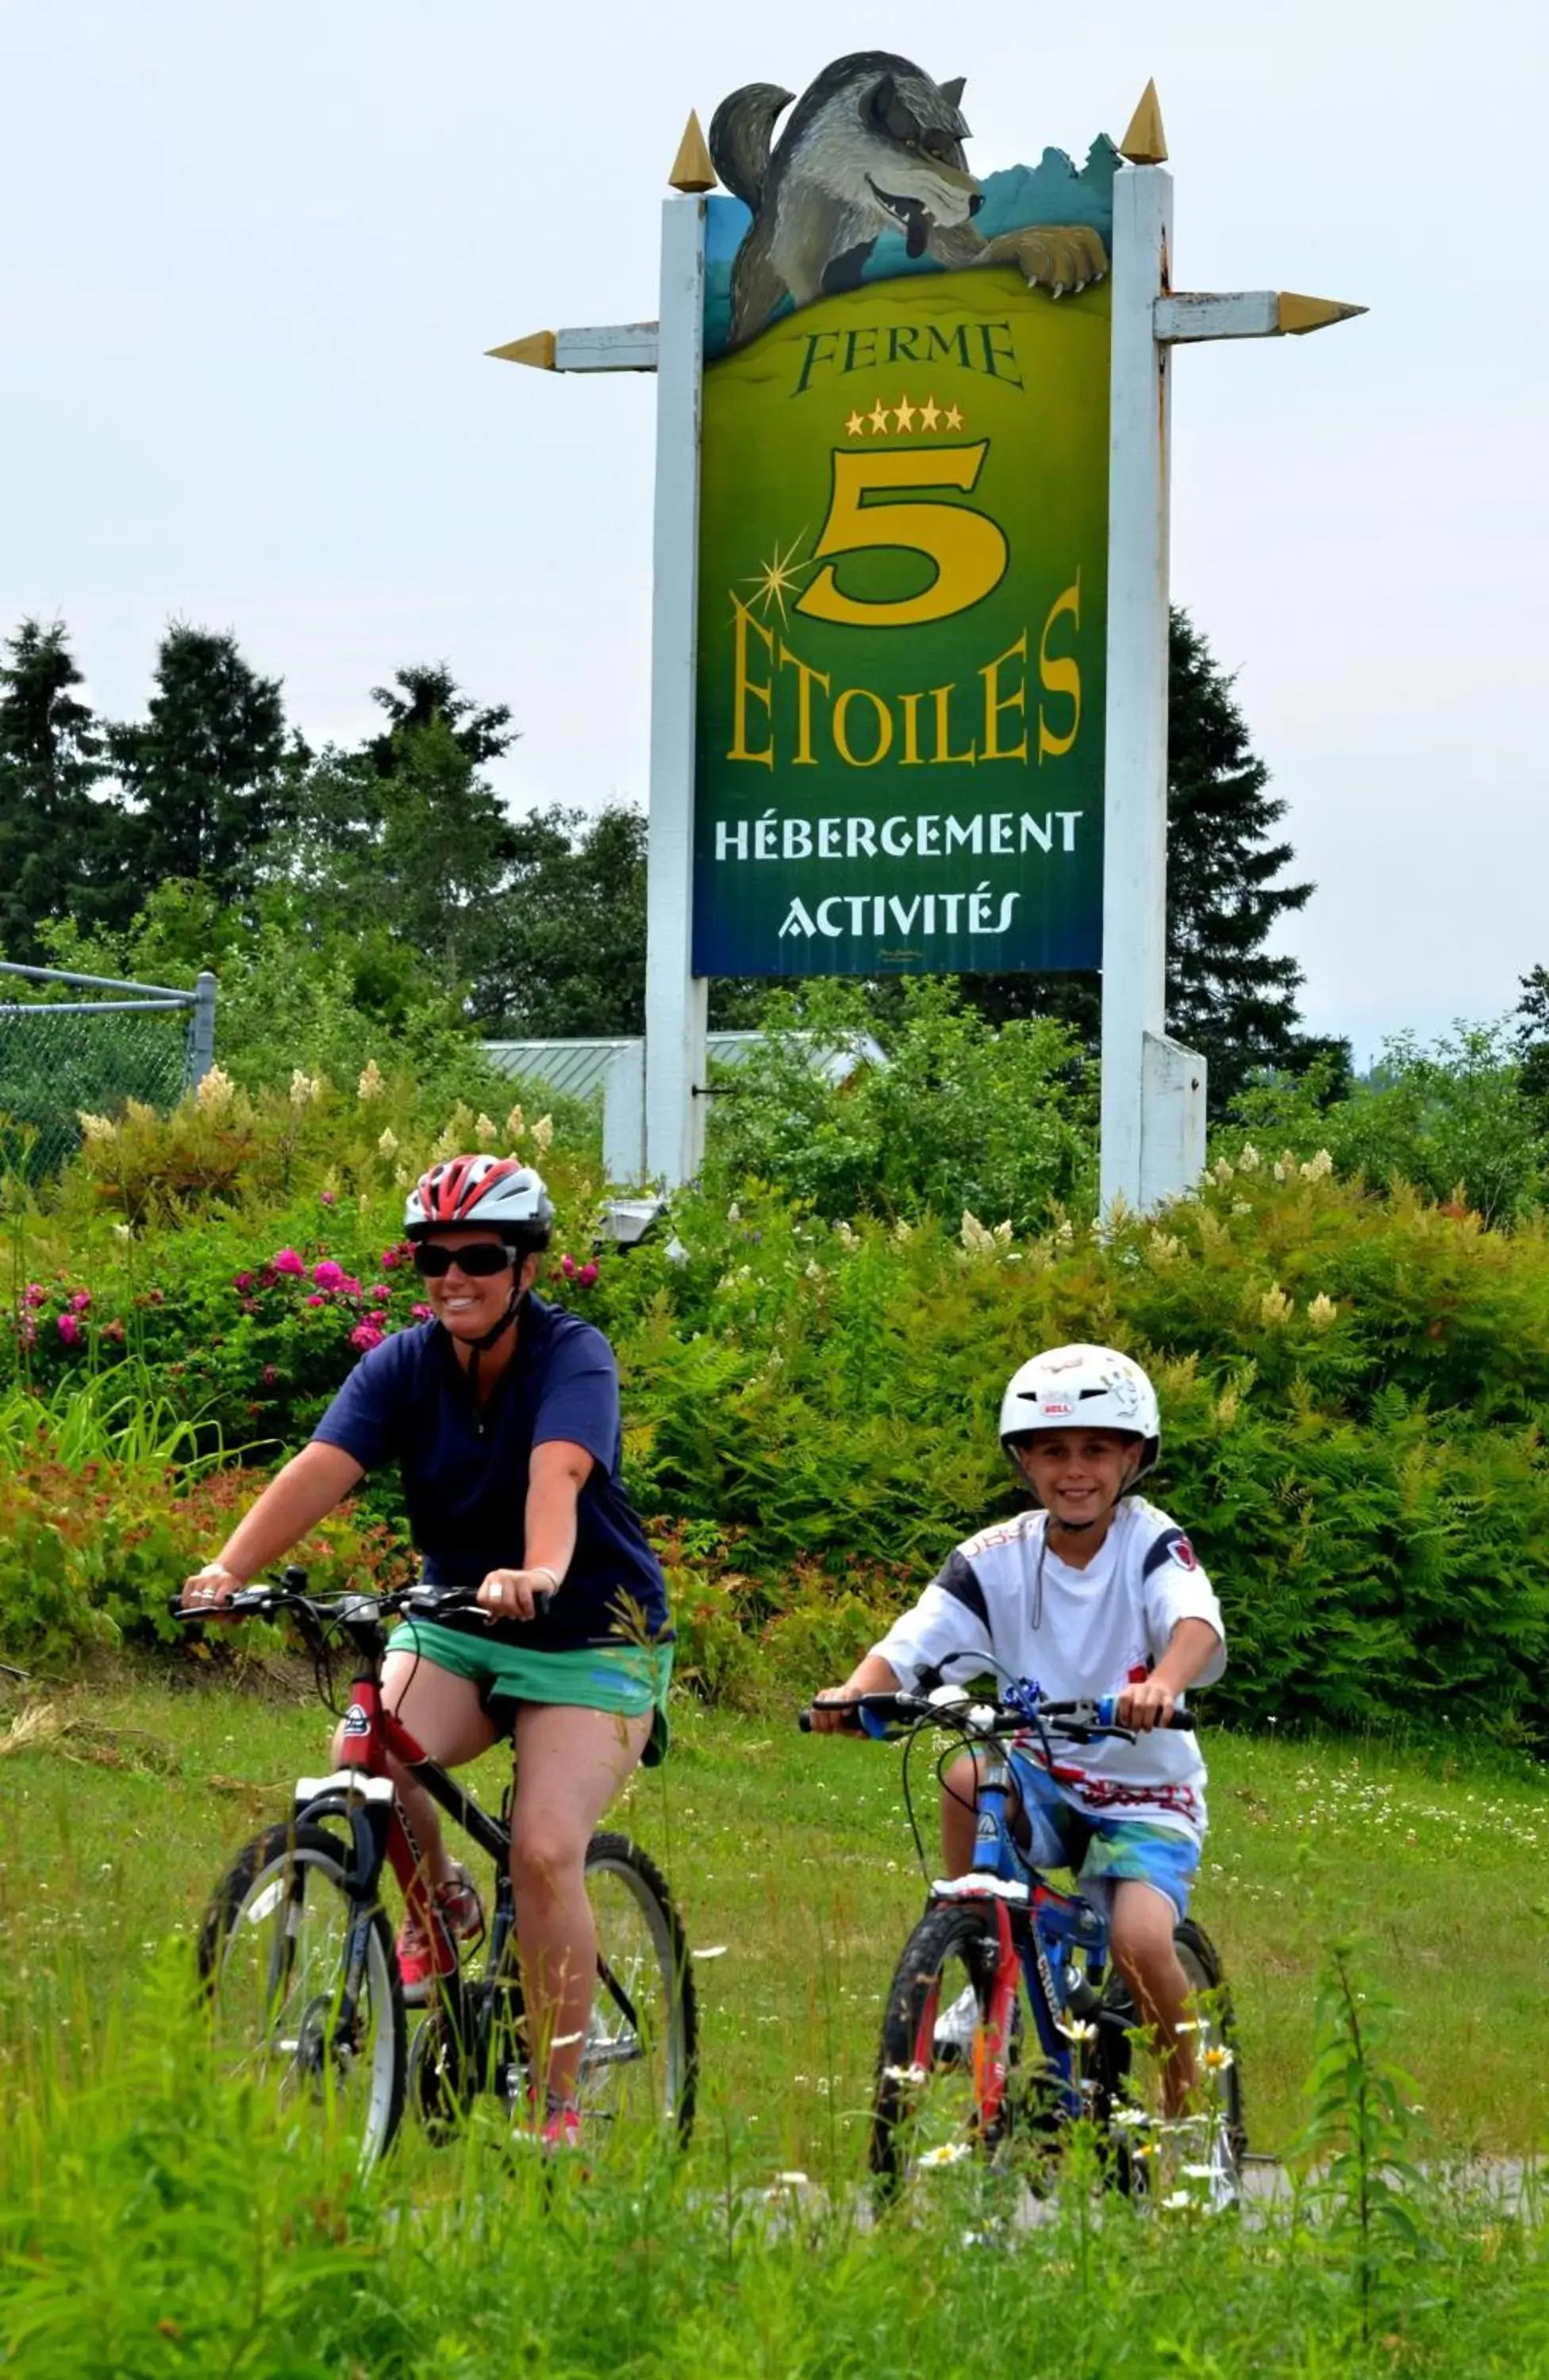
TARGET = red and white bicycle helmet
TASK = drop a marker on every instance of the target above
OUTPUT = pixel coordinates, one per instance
(1083, 1388)
(494, 1192)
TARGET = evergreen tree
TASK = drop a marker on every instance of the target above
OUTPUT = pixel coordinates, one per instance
(55, 838)
(209, 772)
(1228, 996)
(1532, 1042)
(428, 691)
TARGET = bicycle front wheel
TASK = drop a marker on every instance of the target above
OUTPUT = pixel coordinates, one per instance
(936, 2099)
(637, 2070)
(286, 2013)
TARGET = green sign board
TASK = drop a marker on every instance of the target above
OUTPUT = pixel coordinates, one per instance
(902, 580)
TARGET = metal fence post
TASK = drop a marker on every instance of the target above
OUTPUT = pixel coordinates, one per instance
(201, 1030)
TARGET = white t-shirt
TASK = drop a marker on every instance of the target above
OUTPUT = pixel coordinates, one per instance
(1078, 1632)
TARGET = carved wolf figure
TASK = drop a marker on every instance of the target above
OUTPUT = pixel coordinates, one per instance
(875, 145)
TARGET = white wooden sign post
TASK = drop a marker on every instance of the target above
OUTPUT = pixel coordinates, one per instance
(1153, 1088)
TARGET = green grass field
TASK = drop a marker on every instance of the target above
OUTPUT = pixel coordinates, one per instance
(154, 2221)
(793, 1866)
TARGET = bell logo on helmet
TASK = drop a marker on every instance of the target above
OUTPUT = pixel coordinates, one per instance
(1053, 1407)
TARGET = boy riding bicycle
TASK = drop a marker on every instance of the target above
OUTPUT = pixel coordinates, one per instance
(1093, 1592)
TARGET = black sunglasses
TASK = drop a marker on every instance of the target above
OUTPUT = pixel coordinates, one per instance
(478, 1260)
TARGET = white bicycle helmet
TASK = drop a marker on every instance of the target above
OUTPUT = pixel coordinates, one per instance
(493, 1191)
(1083, 1388)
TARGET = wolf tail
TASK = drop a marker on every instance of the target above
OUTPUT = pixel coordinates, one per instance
(739, 137)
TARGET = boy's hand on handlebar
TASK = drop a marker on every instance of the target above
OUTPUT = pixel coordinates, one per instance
(512, 1593)
(834, 1712)
(1146, 1704)
(214, 1584)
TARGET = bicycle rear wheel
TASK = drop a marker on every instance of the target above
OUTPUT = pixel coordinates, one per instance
(639, 2067)
(1130, 2080)
(272, 1960)
(935, 2102)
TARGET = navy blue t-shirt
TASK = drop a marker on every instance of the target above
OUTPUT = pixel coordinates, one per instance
(465, 1468)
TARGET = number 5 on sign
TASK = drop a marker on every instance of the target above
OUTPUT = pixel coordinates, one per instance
(968, 551)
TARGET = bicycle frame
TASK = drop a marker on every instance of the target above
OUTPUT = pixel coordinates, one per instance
(362, 1793)
(1037, 1927)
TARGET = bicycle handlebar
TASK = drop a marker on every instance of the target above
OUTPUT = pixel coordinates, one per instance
(418, 1601)
(1081, 1722)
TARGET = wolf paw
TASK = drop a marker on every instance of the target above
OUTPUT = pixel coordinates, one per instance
(1062, 257)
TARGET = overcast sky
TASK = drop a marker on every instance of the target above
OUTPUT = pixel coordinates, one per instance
(249, 259)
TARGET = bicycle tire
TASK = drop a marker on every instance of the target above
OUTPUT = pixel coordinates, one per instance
(960, 1935)
(1200, 1961)
(251, 2029)
(644, 2012)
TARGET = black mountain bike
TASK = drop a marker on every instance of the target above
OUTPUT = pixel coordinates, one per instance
(296, 1955)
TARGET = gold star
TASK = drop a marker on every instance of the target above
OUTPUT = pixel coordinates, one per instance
(929, 413)
(854, 426)
(773, 580)
(954, 419)
(878, 419)
(903, 414)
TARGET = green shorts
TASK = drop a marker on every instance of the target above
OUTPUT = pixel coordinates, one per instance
(627, 1678)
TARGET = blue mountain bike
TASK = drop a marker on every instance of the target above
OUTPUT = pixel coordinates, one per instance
(1006, 2021)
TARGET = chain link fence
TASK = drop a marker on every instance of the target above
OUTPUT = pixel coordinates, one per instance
(60, 1055)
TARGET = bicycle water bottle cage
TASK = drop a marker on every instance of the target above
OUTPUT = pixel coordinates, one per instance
(1024, 1697)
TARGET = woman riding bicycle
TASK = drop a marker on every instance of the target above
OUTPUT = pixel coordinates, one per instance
(502, 1415)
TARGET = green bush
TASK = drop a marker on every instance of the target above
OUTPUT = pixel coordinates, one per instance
(961, 1115)
(1451, 1121)
(1354, 1387)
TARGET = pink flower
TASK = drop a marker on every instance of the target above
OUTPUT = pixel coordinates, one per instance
(113, 1329)
(568, 1266)
(391, 1256)
(328, 1275)
(29, 1332)
(587, 1275)
(329, 1198)
(69, 1329)
(268, 1376)
(350, 1286)
(317, 1298)
(422, 1313)
(365, 1336)
(379, 1293)
(242, 1280)
(379, 1320)
(34, 1293)
(80, 1301)
(288, 1261)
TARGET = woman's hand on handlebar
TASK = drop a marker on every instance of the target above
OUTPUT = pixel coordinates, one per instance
(213, 1585)
(513, 1594)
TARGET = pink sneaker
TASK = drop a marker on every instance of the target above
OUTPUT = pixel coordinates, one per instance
(461, 1911)
(562, 2127)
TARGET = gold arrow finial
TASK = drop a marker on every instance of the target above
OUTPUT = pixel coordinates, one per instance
(691, 168)
(1145, 143)
(537, 349)
(1297, 314)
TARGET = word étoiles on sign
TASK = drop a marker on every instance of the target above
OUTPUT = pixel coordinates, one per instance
(955, 725)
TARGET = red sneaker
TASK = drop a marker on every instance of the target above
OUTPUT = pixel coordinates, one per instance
(562, 2127)
(462, 1912)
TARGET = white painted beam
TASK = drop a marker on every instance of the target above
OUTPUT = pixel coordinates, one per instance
(613, 346)
(1135, 774)
(674, 996)
(1181, 317)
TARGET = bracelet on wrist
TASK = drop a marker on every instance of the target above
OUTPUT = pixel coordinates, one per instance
(542, 1570)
